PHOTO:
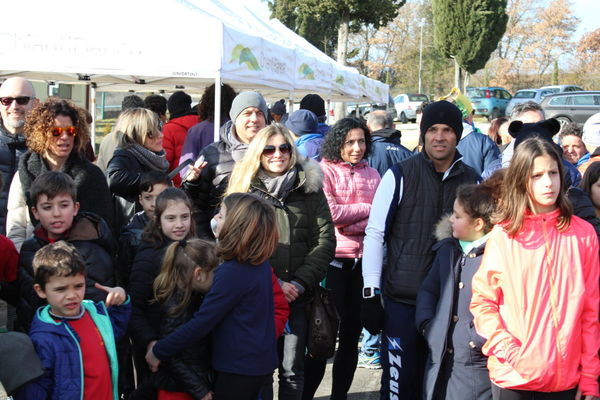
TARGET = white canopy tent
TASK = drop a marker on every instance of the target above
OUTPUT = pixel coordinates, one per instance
(170, 45)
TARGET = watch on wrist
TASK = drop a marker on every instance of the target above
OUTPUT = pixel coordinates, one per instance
(370, 292)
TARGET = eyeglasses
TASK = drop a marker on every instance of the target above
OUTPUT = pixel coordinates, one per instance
(21, 100)
(269, 150)
(58, 131)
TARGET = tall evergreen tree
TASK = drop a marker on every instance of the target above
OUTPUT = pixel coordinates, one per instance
(468, 31)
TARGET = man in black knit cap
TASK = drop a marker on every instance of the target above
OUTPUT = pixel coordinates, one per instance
(409, 201)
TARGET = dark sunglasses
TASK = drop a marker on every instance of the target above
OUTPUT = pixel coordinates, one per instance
(21, 100)
(269, 150)
(58, 131)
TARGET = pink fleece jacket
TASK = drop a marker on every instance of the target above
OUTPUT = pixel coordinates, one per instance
(349, 190)
(535, 300)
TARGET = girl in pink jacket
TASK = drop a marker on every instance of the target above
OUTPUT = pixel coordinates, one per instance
(535, 296)
(349, 185)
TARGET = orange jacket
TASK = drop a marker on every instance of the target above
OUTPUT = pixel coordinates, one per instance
(535, 300)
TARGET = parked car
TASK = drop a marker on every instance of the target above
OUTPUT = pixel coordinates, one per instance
(562, 88)
(571, 106)
(365, 108)
(489, 102)
(524, 95)
(406, 106)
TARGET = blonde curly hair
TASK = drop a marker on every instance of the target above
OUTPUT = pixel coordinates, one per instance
(40, 122)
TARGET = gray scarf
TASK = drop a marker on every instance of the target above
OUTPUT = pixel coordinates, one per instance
(149, 159)
(279, 186)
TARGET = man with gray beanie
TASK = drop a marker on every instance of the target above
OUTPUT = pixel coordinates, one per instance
(411, 198)
(248, 116)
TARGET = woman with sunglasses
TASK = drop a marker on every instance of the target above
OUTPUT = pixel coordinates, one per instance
(349, 184)
(57, 134)
(139, 151)
(293, 184)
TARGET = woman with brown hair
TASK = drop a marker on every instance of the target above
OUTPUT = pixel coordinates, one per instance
(57, 133)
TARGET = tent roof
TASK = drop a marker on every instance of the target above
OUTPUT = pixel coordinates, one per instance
(182, 44)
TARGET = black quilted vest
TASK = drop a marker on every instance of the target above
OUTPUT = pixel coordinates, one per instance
(409, 233)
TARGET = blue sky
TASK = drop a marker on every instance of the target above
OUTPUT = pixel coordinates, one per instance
(588, 12)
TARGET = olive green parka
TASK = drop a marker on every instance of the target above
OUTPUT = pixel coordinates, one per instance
(306, 232)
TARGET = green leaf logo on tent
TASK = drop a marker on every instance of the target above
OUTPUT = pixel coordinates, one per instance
(243, 55)
(363, 84)
(306, 72)
(377, 90)
(339, 80)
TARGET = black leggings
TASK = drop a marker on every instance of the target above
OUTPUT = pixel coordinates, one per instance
(238, 387)
(346, 283)
(499, 393)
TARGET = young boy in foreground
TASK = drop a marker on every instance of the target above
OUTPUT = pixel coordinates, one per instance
(74, 338)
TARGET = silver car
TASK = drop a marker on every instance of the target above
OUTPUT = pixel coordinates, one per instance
(571, 106)
(524, 95)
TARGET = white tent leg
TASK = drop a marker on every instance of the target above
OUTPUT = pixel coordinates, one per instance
(217, 107)
(92, 111)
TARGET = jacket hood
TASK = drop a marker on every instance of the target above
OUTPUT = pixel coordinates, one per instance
(308, 137)
(43, 322)
(387, 133)
(310, 174)
(443, 229)
(90, 227)
(225, 132)
(185, 121)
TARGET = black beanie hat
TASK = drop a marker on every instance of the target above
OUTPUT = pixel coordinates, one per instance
(442, 112)
(543, 129)
(179, 104)
(279, 107)
(314, 103)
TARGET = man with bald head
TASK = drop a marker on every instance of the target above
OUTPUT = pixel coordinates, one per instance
(17, 98)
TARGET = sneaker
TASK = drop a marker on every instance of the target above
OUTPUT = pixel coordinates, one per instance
(372, 361)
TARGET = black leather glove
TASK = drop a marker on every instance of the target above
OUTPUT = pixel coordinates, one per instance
(371, 314)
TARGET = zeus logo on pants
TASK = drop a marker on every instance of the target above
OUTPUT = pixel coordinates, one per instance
(395, 363)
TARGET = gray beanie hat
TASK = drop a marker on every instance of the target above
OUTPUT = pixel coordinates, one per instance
(245, 100)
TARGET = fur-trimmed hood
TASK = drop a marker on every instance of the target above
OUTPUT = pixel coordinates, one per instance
(312, 178)
(443, 229)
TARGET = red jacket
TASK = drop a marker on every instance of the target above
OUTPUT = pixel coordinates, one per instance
(349, 191)
(535, 300)
(281, 306)
(174, 133)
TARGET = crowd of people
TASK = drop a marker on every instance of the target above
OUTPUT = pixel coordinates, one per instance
(469, 265)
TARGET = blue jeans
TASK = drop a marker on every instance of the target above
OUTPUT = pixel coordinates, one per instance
(292, 347)
(369, 343)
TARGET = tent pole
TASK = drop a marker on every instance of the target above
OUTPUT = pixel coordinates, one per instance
(217, 107)
(92, 110)
(290, 103)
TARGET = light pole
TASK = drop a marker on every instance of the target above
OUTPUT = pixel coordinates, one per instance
(421, 23)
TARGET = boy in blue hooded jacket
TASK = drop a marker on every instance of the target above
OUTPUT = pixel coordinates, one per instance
(74, 338)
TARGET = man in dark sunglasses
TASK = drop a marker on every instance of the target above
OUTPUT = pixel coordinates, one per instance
(17, 98)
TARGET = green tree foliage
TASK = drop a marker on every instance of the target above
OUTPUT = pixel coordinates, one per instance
(469, 30)
(319, 21)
